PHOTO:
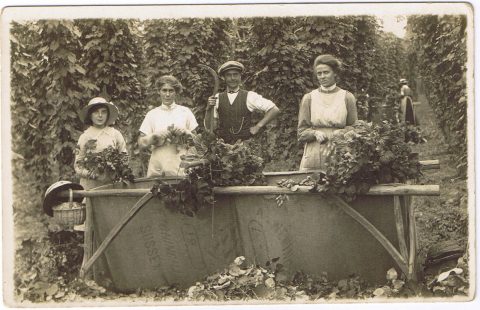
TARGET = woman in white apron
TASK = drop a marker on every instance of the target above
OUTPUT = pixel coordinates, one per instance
(324, 112)
(406, 109)
(165, 159)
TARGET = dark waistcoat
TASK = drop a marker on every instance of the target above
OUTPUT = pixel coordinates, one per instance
(235, 119)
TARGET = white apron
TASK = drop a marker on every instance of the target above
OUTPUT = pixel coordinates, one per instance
(328, 112)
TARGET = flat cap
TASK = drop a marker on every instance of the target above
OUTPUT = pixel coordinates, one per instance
(229, 65)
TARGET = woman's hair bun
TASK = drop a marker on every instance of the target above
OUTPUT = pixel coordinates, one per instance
(329, 60)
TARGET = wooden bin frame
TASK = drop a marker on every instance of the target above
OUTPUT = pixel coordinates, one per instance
(405, 256)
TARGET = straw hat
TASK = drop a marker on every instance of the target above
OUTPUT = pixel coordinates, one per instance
(112, 109)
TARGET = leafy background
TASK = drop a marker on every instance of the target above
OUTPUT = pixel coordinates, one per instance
(438, 49)
(57, 66)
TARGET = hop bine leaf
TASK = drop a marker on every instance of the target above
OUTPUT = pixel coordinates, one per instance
(369, 154)
(221, 164)
(109, 162)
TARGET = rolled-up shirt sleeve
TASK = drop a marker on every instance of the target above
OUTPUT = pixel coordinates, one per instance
(256, 102)
(305, 132)
(191, 121)
(146, 126)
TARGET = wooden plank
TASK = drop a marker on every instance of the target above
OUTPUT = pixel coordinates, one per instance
(430, 164)
(397, 209)
(377, 190)
(412, 234)
(88, 237)
(287, 173)
(114, 232)
(401, 189)
(337, 201)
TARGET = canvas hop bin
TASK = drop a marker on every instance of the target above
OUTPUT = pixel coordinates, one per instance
(309, 232)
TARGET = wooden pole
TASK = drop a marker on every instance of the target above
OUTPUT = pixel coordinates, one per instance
(397, 210)
(412, 234)
(88, 237)
(430, 164)
(424, 165)
(398, 189)
(377, 190)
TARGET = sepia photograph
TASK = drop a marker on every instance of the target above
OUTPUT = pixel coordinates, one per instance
(252, 154)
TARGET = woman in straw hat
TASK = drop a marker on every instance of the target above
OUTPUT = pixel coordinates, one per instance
(99, 114)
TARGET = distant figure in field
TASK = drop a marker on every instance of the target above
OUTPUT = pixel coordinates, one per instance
(407, 112)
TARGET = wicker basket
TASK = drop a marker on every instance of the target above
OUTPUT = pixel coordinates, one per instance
(69, 213)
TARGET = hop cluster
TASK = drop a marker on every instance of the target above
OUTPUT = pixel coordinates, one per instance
(110, 162)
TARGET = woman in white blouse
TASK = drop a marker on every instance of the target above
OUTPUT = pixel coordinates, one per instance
(165, 159)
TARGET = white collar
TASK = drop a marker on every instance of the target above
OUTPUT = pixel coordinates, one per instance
(168, 108)
(98, 131)
(329, 88)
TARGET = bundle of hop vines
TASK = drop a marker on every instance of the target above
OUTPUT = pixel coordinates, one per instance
(178, 136)
(188, 196)
(175, 136)
(228, 164)
(368, 155)
(109, 162)
(215, 164)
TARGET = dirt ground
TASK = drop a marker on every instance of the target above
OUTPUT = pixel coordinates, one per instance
(444, 217)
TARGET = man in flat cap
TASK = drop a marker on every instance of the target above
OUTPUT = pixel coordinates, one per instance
(232, 109)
